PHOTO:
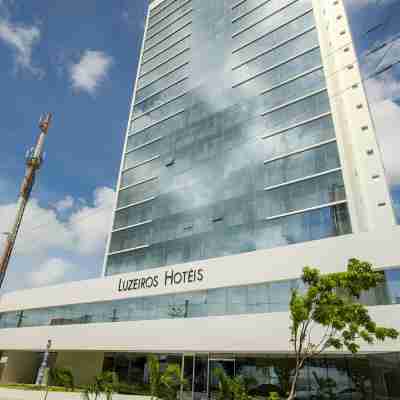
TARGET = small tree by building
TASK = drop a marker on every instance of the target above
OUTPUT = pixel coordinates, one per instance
(167, 384)
(231, 388)
(154, 376)
(331, 302)
(172, 382)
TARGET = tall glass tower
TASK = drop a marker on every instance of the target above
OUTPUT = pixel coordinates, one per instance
(231, 146)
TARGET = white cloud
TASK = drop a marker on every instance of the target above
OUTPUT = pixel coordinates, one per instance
(384, 86)
(51, 272)
(40, 231)
(21, 39)
(387, 116)
(65, 204)
(90, 225)
(48, 243)
(90, 71)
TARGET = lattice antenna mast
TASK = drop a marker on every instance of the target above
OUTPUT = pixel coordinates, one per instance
(34, 160)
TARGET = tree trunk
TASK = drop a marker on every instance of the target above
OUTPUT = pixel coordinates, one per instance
(292, 393)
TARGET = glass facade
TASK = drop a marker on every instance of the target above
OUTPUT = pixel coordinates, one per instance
(250, 299)
(231, 146)
(361, 377)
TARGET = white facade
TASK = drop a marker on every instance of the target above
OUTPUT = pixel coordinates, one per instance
(248, 333)
(375, 239)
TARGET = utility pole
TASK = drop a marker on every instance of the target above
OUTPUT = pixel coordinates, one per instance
(34, 159)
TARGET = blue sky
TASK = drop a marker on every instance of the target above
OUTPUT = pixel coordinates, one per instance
(78, 60)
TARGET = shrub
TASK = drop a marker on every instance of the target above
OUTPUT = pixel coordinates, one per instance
(155, 376)
(172, 381)
(232, 388)
(104, 384)
(62, 377)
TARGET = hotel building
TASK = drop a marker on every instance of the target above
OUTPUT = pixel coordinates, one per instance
(250, 153)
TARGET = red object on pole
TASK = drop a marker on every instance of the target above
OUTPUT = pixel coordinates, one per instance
(34, 160)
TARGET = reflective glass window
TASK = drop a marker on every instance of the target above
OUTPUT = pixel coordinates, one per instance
(245, 34)
(172, 18)
(167, 42)
(137, 193)
(165, 55)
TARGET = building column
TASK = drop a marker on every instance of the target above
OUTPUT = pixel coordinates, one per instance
(367, 191)
(85, 365)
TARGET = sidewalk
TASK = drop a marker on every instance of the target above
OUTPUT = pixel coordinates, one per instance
(14, 394)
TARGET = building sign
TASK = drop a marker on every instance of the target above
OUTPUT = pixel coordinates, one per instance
(167, 279)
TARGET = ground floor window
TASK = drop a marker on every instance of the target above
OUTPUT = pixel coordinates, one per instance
(364, 377)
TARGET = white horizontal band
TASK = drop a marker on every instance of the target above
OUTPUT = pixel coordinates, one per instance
(283, 83)
(263, 19)
(142, 162)
(304, 178)
(160, 105)
(166, 15)
(166, 49)
(164, 62)
(164, 75)
(264, 71)
(169, 24)
(302, 150)
(293, 101)
(139, 183)
(272, 31)
(149, 221)
(138, 203)
(250, 11)
(161, 90)
(166, 38)
(238, 4)
(158, 122)
(305, 122)
(273, 48)
(144, 246)
(288, 214)
(163, 6)
(144, 144)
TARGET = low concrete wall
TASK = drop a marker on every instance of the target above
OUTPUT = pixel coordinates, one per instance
(13, 394)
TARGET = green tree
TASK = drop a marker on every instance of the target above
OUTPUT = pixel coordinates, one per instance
(172, 381)
(283, 369)
(331, 302)
(273, 396)
(326, 388)
(239, 389)
(231, 388)
(154, 375)
(224, 385)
